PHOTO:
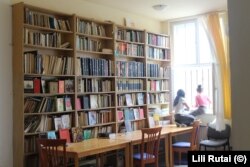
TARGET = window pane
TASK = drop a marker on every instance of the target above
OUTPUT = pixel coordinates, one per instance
(205, 51)
(184, 43)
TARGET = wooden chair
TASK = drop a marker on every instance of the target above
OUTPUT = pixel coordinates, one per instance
(149, 147)
(191, 145)
(49, 155)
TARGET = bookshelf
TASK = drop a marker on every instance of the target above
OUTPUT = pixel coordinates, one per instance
(130, 78)
(84, 75)
(158, 76)
(43, 77)
(95, 76)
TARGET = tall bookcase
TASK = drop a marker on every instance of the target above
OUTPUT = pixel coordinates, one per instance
(43, 77)
(130, 78)
(71, 71)
(158, 59)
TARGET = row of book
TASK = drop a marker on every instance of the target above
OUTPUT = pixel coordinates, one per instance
(130, 114)
(45, 20)
(94, 101)
(127, 49)
(74, 134)
(157, 40)
(95, 117)
(158, 54)
(89, 28)
(131, 125)
(94, 85)
(158, 98)
(130, 69)
(47, 104)
(129, 84)
(43, 123)
(88, 44)
(130, 99)
(130, 35)
(155, 70)
(50, 85)
(36, 63)
(45, 39)
(158, 85)
(95, 67)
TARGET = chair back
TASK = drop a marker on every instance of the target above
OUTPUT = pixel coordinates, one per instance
(194, 135)
(49, 155)
(213, 134)
(150, 143)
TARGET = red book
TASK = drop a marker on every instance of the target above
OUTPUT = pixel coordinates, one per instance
(120, 115)
(78, 104)
(141, 113)
(37, 85)
(61, 86)
(64, 134)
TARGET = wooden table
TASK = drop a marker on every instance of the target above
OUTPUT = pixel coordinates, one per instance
(96, 146)
(135, 138)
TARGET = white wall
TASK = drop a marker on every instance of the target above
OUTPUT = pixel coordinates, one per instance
(93, 10)
(239, 35)
(5, 85)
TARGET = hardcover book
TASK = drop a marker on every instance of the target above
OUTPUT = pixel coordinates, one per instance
(60, 104)
(92, 117)
(77, 134)
(64, 134)
(68, 106)
(51, 135)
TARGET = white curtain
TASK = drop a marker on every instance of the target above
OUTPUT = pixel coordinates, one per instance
(219, 122)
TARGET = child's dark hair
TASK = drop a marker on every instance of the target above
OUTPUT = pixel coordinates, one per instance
(199, 88)
(180, 93)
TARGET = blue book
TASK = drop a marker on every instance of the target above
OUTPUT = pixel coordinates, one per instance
(51, 135)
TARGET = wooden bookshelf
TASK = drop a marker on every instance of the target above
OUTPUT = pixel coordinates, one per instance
(43, 77)
(95, 72)
(158, 76)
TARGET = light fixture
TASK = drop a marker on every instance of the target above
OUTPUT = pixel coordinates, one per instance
(159, 7)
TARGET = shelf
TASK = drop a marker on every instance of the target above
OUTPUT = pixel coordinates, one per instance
(46, 29)
(50, 113)
(134, 106)
(97, 125)
(94, 109)
(90, 93)
(160, 103)
(160, 60)
(93, 52)
(125, 41)
(48, 75)
(160, 47)
(136, 91)
(94, 36)
(45, 47)
(158, 78)
(160, 91)
(128, 56)
(87, 76)
(47, 94)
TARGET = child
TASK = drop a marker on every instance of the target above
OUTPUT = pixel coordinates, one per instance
(202, 102)
(180, 105)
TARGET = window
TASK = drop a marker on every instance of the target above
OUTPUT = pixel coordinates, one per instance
(192, 60)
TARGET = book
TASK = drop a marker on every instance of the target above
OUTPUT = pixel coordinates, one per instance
(128, 126)
(136, 113)
(120, 116)
(53, 87)
(28, 86)
(66, 123)
(128, 100)
(151, 122)
(51, 135)
(60, 104)
(85, 102)
(69, 86)
(93, 101)
(61, 86)
(92, 117)
(68, 105)
(141, 113)
(78, 104)
(140, 98)
(58, 123)
(77, 135)
(86, 134)
(37, 85)
(64, 134)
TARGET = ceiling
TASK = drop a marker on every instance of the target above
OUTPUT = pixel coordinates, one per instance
(174, 9)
